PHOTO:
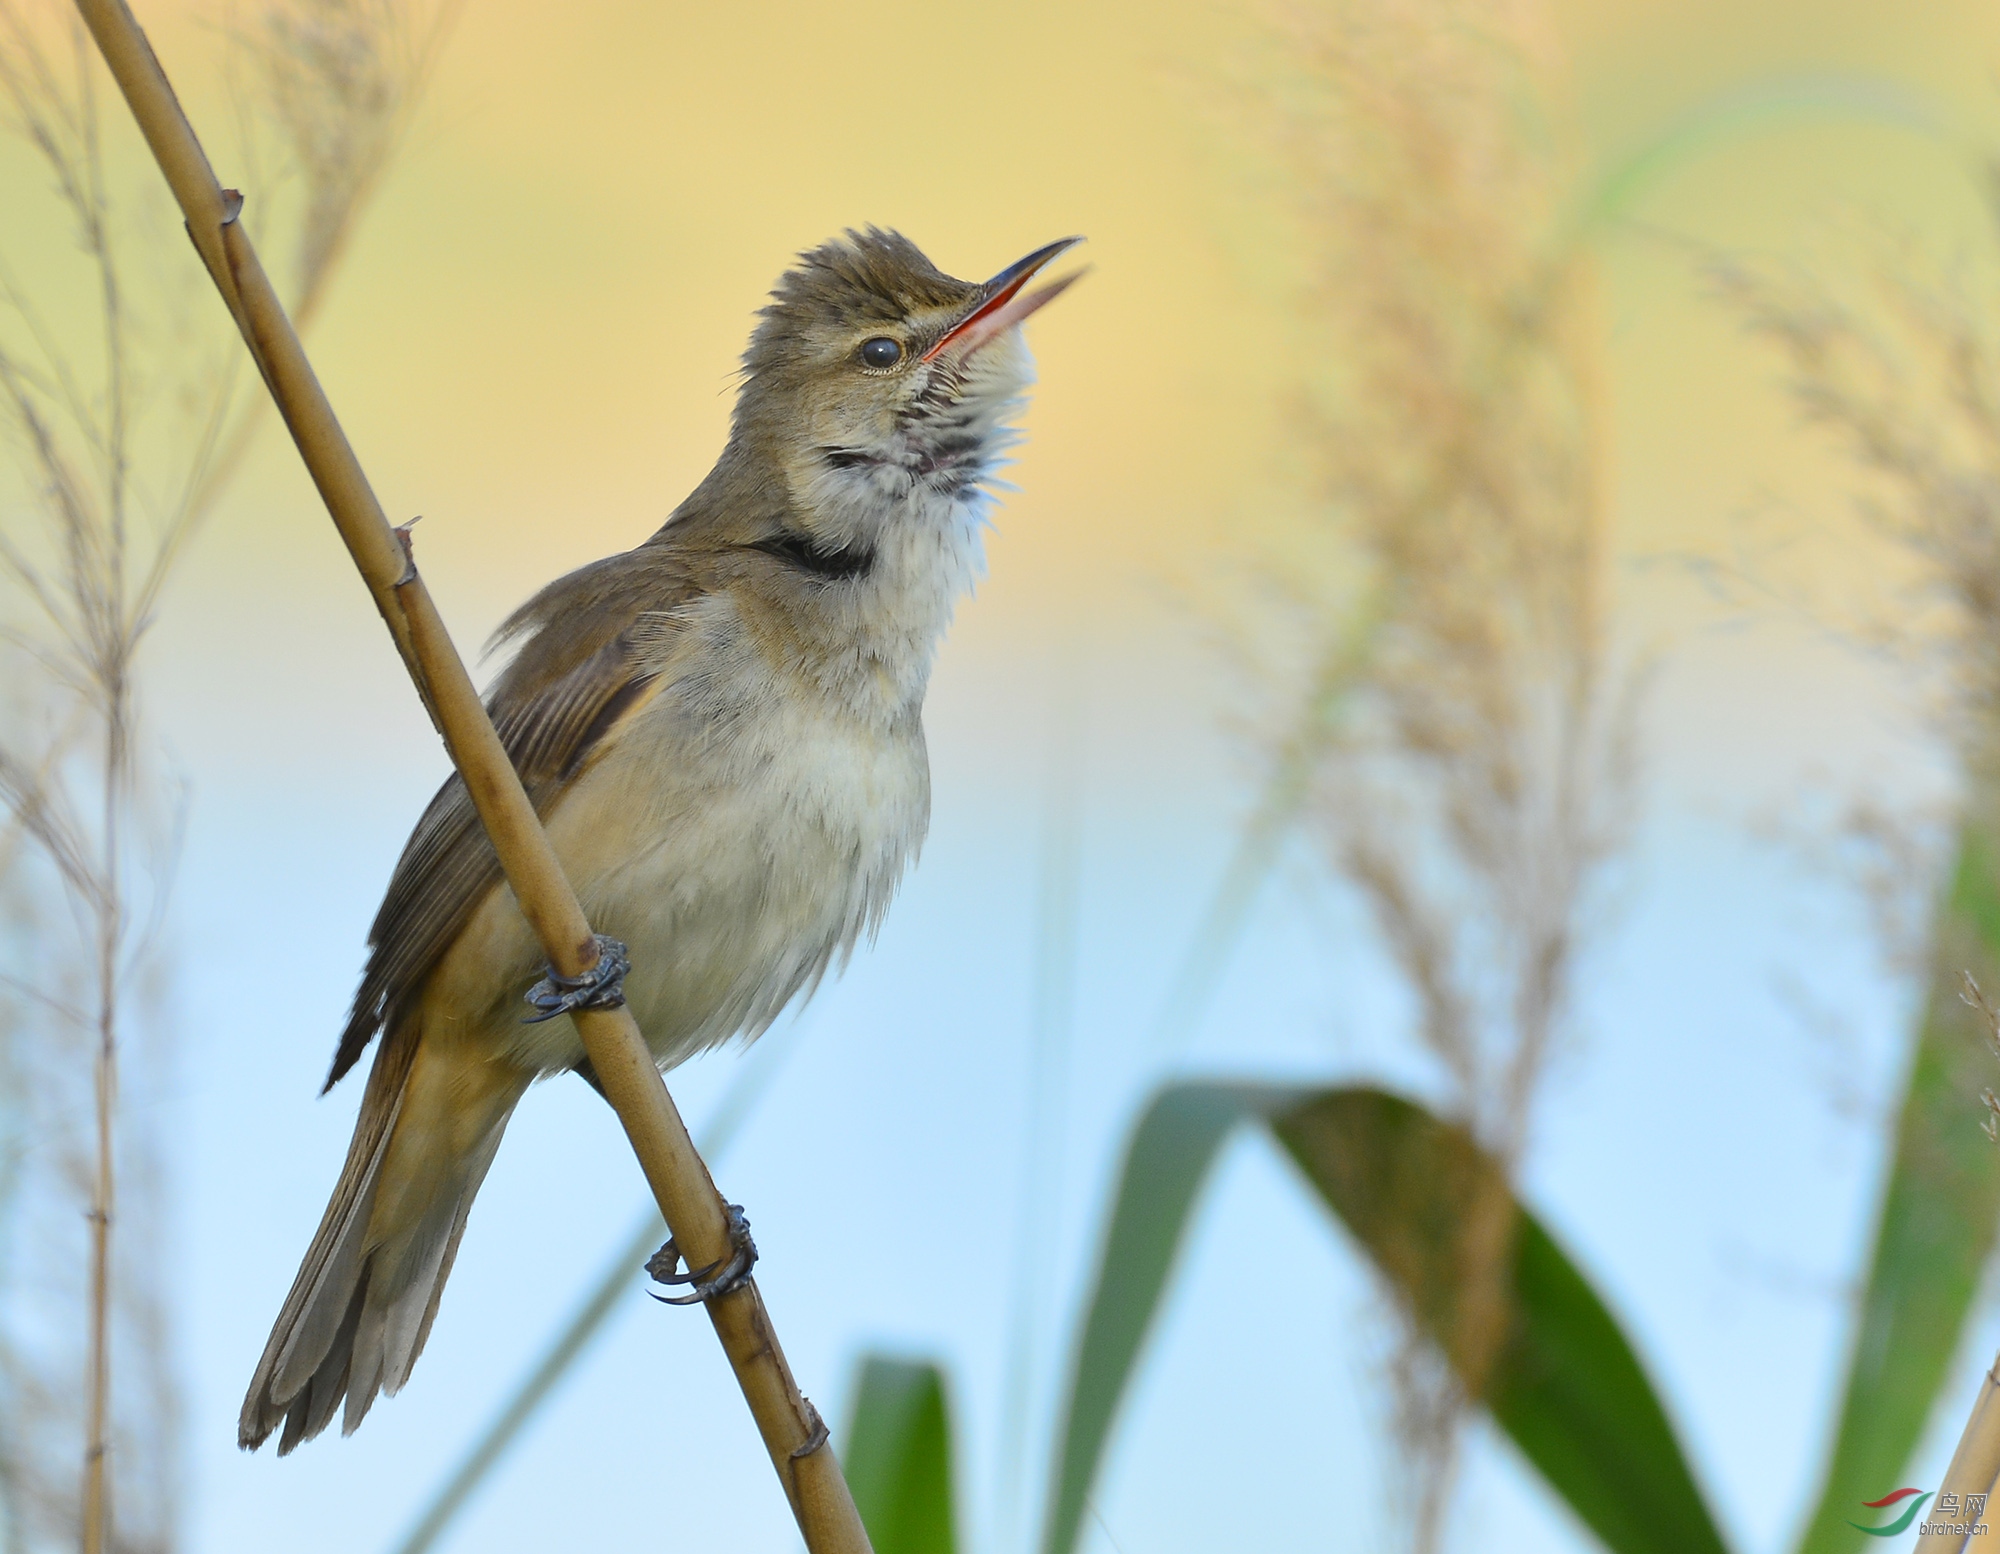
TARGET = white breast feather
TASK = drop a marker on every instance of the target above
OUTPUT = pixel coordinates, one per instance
(784, 802)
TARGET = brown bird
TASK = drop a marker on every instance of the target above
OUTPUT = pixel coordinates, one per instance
(722, 730)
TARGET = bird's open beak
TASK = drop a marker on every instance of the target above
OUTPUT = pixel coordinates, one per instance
(1002, 303)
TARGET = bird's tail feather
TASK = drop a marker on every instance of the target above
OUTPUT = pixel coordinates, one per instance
(364, 1299)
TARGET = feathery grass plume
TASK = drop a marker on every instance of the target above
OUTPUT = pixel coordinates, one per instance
(121, 431)
(1879, 858)
(1989, 1019)
(1470, 770)
(325, 91)
(1902, 368)
(1900, 365)
(331, 74)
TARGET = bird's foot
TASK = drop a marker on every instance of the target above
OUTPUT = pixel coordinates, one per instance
(601, 987)
(718, 1278)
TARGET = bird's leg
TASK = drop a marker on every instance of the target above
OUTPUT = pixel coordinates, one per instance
(718, 1278)
(601, 987)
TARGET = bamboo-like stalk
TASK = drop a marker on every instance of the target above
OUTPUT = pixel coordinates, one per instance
(1975, 1467)
(542, 1378)
(694, 1211)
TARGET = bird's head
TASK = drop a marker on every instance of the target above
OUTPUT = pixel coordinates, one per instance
(870, 360)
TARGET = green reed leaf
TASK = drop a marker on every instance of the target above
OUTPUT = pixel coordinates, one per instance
(1562, 1380)
(898, 1457)
(1935, 1229)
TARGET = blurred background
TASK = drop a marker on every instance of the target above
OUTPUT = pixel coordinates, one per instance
(1528, 323)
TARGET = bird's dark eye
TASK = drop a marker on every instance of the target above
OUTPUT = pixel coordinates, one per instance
(881, 352)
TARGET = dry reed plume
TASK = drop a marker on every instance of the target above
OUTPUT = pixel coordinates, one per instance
(1468, 771)
(1903, 370)
(1901, 367)
(123, 430)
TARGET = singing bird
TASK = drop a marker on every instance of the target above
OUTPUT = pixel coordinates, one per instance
(722, 730)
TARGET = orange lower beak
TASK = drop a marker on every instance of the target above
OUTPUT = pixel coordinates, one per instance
(1002, 303)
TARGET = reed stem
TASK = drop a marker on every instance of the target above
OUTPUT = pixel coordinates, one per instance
(1975, 1467)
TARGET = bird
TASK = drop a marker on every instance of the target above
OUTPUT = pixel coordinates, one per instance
(721, 730)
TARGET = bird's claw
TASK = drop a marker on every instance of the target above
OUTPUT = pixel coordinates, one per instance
(601, 987)
(718, 1278)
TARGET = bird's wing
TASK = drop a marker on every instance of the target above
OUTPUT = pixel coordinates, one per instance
(552, 716)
